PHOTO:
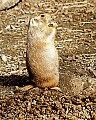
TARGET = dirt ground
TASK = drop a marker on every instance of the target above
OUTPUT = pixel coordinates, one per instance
(76, 45)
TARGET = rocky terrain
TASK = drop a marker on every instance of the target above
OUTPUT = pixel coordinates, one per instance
(76, 44)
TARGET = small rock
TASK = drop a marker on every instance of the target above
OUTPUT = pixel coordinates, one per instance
(10, 27)
(4, 58)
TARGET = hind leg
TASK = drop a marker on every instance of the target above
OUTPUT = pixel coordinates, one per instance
(56, 88)
(27, 87)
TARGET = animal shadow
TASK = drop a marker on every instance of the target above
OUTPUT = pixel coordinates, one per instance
(14, 80)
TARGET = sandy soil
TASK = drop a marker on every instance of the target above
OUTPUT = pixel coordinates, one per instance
(76, 44)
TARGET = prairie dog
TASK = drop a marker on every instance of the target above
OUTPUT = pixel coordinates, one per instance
(42, 56)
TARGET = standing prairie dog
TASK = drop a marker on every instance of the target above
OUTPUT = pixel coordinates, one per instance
(42, 56)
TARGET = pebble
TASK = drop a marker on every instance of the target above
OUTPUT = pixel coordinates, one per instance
(4, 58)
(10, 27)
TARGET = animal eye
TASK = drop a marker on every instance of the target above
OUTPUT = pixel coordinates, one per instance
(42, 15)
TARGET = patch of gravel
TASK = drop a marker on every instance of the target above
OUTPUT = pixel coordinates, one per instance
(38, 104)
